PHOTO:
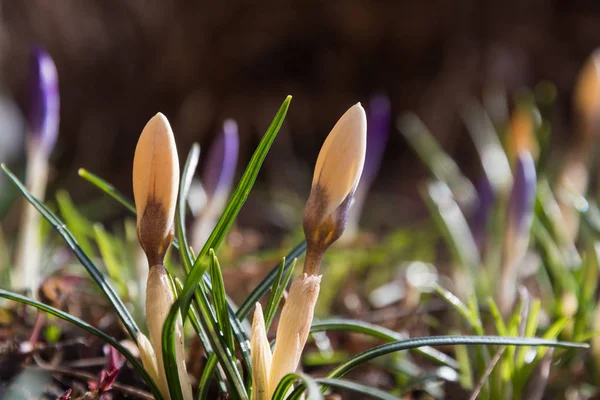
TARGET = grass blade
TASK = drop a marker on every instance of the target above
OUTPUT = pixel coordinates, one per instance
(380, 333)
(267, 282)
(216, 237)
(356, 387)
(441, 165)
(184, 189)
(106, 188)
(461, 308)
(89, 328)
(308, 383)
(96, 275)
(281, 281)
(220, 301)
(408, 344)
(453, 225)
(77, 224)
(493, 158)
(235, 204)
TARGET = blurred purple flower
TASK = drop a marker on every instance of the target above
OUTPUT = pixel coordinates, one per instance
(221, 162)
(485, 203)
(44, 100)
(378, 130)
(522, 197)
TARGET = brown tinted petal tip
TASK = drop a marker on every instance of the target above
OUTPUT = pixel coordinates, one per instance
(155, 186)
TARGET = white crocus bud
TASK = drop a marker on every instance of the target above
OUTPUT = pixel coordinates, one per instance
(573, 176)
(294, 326)
(148, 357)
(159, 299)
(337, 173)
(587, 96)
(261, 356)
(155, 186)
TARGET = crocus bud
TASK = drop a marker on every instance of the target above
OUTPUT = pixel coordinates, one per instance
(337, 173)
(148, 358)
(520, 217)
(587, 95)
(378, 129)
(43, 115)
(217, 178)
(155, 185)
(521, 132)
(261, 356)
(159, 299)
(294, 326)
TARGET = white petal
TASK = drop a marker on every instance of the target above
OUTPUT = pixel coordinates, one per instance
(342, 157)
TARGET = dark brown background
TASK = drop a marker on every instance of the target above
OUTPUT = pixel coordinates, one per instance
(121, 61)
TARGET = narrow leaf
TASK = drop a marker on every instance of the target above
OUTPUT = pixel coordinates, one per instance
(89, 328)
(281, 282)
(96, 275)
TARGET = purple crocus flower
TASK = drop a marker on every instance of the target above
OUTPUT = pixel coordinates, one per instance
(485, 203)
(217, 179)
(44, 101)
(378, 131)
(520, 217)
(522, 197)
(221, 162)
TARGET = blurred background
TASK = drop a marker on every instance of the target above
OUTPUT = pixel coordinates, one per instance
(120, 62)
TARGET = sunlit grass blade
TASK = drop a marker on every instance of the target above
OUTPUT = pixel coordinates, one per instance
(520, 378)
(217, 341)
(461, 308)
(379, 332)
(195, 320)
(240, 334)
(262, 288)
(108, 251)
(563, 280)
(530, 330)
(364, 390)
(77, 224)
(184, 189)
(235, 204)
(281, 281)
(96, 275)
(591, 217)
(453, 225)
(170, 353)
(550, 215)
(465, 376)
(493, 158)
(588, 284)
(220, 301)
(498, 321)
(89, 328)
(209, 323)
(218, 234)
(408, 344)
(441, 165)
(286, 384)
(106, 188)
